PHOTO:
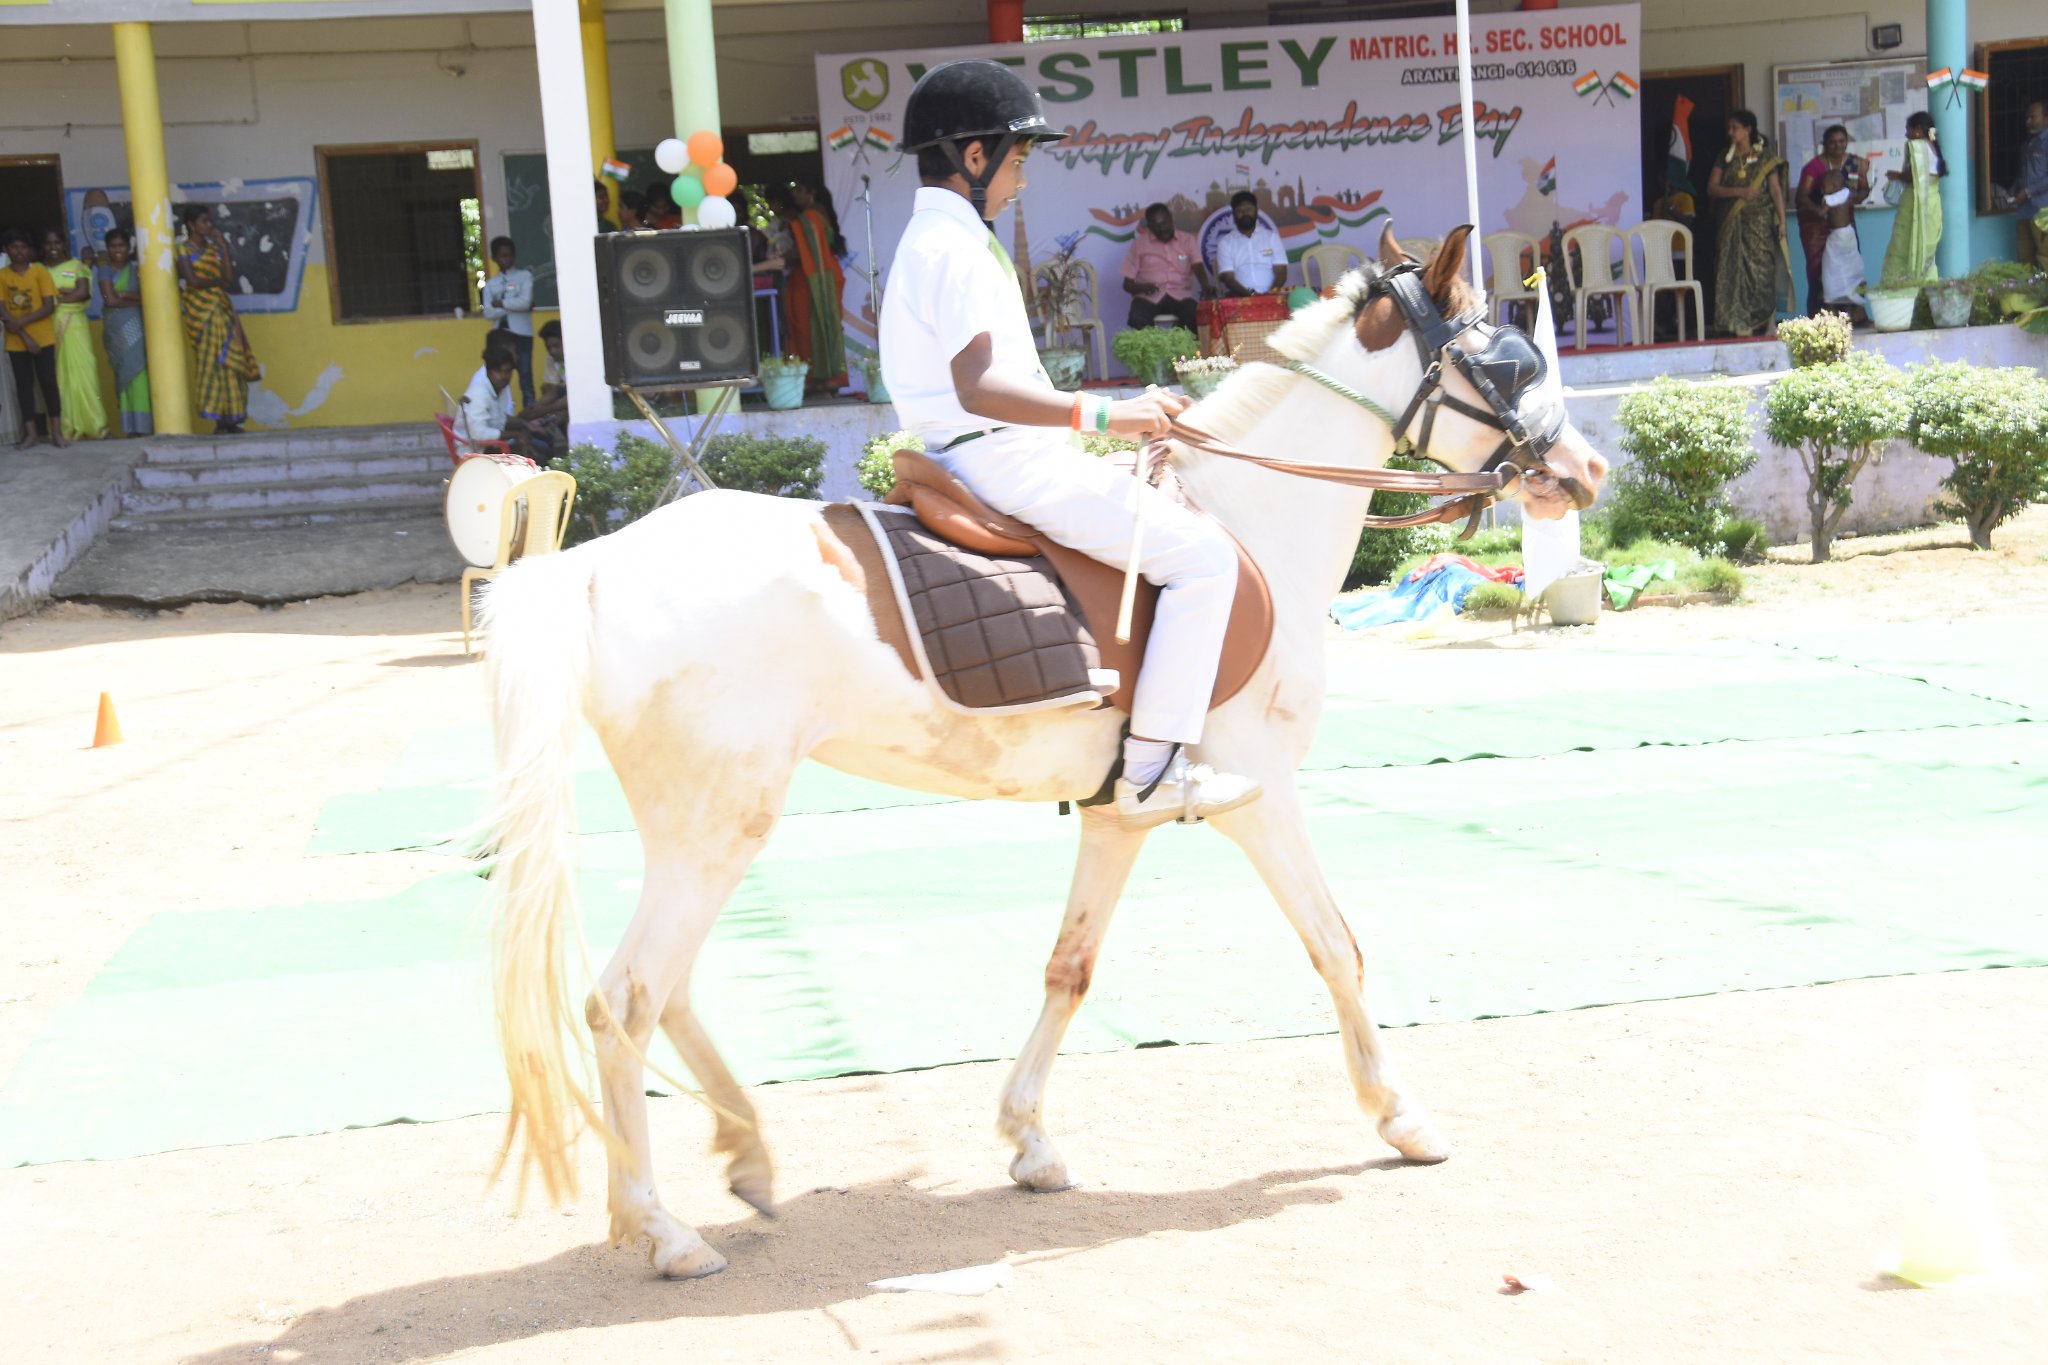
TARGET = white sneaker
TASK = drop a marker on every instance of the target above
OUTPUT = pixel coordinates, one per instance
(1186, 792)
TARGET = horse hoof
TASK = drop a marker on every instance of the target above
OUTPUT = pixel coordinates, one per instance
(1413, 1138)
(691, 1263)
(1042, 1176)
(758, 1193)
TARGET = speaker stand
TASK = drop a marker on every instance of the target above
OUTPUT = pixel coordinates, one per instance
(686, 455)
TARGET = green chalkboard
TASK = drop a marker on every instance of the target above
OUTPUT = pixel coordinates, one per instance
(529, 221)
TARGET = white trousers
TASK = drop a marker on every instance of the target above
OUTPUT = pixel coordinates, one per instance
(1087, 504)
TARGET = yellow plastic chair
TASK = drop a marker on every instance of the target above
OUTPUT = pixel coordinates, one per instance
(1088, 323)
(1421, 248)
(1594, 276)
(1665, 244)
(533, 521)
(1325, 262)
(1515, 258)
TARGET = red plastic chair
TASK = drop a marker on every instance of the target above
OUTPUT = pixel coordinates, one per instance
(456, 453)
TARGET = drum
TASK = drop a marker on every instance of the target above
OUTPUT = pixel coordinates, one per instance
(475, 504)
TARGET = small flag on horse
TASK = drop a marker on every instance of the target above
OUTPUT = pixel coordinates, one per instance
(1546, 179)
(839, 139)
(615, 169)
(1588, 83)
(879, 140)
(1623, 85)
(1937, 79)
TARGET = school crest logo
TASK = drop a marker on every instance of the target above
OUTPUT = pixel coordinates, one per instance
(865, 82)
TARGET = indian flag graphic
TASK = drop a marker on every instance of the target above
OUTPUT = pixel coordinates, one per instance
(1623, 85)
(879, 140)
(1587, 83)
(1974, 80)
(1937, 79)
(1546, 179)
(839, 139)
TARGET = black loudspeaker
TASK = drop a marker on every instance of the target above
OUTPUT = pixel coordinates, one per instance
(677, 307)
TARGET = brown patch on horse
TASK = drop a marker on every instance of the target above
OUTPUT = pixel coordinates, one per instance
(1380, 324)
(834, 552)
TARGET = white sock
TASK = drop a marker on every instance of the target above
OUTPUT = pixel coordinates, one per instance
(1145, 759)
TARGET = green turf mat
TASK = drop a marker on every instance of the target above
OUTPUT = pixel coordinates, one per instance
(2005, 657)
(1476, 890)
(1799, 698)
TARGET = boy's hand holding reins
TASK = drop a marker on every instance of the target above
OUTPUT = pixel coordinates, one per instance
(1149, 415)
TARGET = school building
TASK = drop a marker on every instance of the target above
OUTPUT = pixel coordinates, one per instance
(364, 151)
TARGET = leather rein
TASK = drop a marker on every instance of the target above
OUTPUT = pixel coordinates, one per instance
(1466, 495)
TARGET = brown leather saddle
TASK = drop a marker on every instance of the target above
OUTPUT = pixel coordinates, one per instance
(949, 510)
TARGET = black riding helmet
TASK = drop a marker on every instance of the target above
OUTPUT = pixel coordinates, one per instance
(969, 98)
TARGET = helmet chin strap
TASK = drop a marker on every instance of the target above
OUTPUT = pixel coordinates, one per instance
(977, 185)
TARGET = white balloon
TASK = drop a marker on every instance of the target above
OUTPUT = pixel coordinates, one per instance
(717, 213)
(671, 155)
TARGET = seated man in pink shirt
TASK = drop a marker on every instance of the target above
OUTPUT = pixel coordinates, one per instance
(1163, 272)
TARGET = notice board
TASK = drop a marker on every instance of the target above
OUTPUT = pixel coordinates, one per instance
(1871, 99)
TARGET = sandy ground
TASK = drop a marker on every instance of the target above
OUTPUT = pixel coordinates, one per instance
(1704, 1180)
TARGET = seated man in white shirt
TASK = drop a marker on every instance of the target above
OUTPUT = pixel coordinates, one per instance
(487, 402)
(962, 367)
(1251, 259)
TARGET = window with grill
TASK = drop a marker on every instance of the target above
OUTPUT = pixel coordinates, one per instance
(404, 229)
(2019, 76)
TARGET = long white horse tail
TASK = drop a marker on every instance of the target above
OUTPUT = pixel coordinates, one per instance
(537, 630)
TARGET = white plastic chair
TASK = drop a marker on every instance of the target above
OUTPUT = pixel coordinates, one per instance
(1087, 320)
(532, 521)
(1594, 276)
(1509, 251)
(1659, 272)
(1329, 261)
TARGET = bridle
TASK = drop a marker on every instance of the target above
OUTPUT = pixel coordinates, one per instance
(1504, 370)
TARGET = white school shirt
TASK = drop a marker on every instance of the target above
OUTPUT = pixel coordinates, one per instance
(508, 298)
(945, 288)
(1258, 261)
(484, 408)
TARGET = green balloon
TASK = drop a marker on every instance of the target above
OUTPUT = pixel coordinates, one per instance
(688, 191)
(1299, 298)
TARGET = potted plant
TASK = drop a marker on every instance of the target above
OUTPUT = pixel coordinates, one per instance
(871, 370)
(1200, 375)
(1061, 284)
(1949, 302)
(782, 380)
(1149, 353)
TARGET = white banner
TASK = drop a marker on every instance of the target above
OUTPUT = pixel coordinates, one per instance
(1334, 127)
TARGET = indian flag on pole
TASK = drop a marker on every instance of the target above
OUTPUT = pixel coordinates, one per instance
(1978, 81)
(1623, 85)
(1546, 179)
(879, 140)
(1588, 83)
(1937, 79)
(614, 169)
(839, 139)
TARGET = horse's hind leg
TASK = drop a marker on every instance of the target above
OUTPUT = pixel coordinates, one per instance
(1274, 835)
(697, 850)
(1107, 852)
(750, 1174)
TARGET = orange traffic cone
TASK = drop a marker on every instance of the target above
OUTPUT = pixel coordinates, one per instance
(108, 729)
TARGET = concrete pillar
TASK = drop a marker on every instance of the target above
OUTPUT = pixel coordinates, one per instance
(597, 79)
(1948, 45)
(149, 189)
(692, 66)
(1006, 21)
(565, 120)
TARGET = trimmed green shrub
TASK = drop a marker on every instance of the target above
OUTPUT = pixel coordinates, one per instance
(614, 489)
(1992, 427)
(1821, 339)
(1381, 553)
(1744, 540)
(782, 466)
(1685, 442)
(876, 471)
(1839, 418)
(1149, 352)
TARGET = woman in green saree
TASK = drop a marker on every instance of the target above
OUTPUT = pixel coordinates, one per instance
(1916, 230)
(1753, 281)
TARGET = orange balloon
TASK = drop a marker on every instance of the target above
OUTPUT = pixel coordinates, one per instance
(705, 150)
(721, 180)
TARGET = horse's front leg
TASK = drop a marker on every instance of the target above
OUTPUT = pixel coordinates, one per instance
(1107, 852)
(1274, 835)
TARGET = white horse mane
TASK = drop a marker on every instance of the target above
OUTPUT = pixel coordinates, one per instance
(1241, 400)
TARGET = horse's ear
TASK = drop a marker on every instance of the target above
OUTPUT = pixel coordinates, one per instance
(1390, 250)
(1447, 265)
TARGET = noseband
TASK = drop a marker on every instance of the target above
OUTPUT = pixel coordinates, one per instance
(1505, 369)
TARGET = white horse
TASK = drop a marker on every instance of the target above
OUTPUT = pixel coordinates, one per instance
(718, 643)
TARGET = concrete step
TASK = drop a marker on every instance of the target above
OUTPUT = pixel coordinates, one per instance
(271, 518)
(415, 486)
(186, 474)
(345, 442)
